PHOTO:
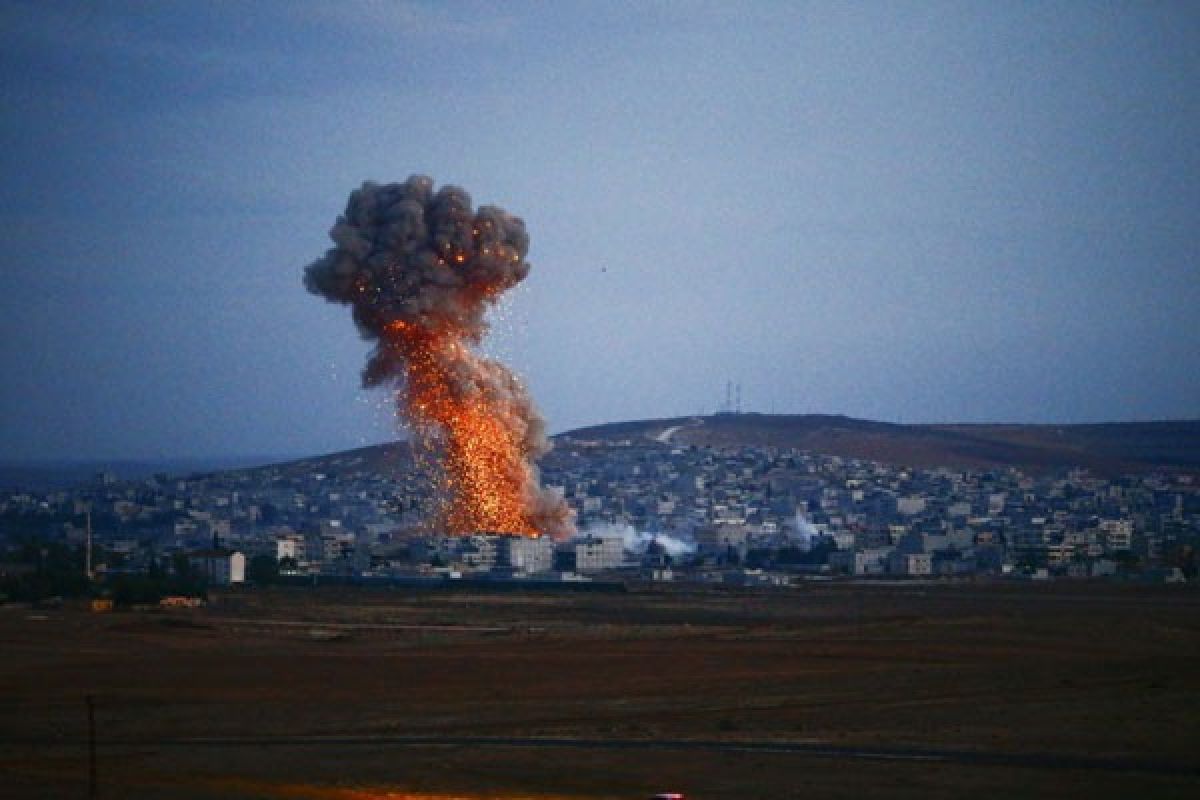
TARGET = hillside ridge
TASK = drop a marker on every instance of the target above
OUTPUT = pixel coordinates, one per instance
(1105, 448)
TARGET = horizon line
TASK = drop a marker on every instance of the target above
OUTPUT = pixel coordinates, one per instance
(266, 459)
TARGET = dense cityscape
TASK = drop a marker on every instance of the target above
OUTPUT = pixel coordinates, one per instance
(647, 510)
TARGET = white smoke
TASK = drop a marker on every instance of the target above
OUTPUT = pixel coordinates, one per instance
(637, 542)
(803, 531)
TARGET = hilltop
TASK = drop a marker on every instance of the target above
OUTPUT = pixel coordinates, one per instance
(1108, 448)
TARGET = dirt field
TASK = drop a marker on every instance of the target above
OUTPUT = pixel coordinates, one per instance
(865, 691)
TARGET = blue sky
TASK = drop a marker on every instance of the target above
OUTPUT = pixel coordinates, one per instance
(905, 211)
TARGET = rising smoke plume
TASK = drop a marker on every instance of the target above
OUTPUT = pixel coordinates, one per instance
(420, 269)
(803, 532)
(635, 541)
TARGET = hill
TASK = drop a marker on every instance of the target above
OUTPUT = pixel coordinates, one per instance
(372, 459)
(1107, 449)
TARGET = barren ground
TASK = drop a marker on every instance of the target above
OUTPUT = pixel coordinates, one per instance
(1091, 690)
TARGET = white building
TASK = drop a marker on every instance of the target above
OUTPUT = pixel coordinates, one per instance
(598, 553)
(525, 554)
(1117, 534)
(842, 539)
(872, 561)
(477, 551)
(911, 564)
(219, 567)
(290, 545)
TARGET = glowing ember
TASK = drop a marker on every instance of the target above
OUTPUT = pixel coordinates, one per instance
(488, 481)
(420, 270)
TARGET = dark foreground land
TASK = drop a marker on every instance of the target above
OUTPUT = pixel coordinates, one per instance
(824, 691)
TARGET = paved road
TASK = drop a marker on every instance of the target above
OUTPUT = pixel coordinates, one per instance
(665, 436)
(811, 749)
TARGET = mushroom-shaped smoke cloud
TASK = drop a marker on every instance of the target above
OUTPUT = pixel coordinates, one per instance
(420, 269)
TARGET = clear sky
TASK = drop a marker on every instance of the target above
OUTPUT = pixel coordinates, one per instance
(923, 212)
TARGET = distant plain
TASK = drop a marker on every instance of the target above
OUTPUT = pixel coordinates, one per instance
(992, 690)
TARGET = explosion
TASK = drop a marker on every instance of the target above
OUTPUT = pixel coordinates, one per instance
(420, 270)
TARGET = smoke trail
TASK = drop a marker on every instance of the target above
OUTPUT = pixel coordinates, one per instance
(419, 270)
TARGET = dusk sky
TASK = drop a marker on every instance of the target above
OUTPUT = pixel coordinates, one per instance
(916, 212)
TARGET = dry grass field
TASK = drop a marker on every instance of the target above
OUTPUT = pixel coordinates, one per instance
(868, 691)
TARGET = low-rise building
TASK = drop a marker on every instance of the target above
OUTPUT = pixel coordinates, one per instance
(593, 553)
(525, 554)
(872, 561)
(219, 567)
(910, 564)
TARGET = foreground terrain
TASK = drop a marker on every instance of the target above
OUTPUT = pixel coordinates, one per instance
(828, 690)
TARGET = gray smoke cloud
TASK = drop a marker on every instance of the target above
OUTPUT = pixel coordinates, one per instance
(405, 253)
(419, 269)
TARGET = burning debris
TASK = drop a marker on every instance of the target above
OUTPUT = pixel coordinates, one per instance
(420, 269)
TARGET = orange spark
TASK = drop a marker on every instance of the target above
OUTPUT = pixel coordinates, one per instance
(486, 476)
(421, 269)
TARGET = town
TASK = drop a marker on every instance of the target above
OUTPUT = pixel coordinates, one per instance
(647, 510)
